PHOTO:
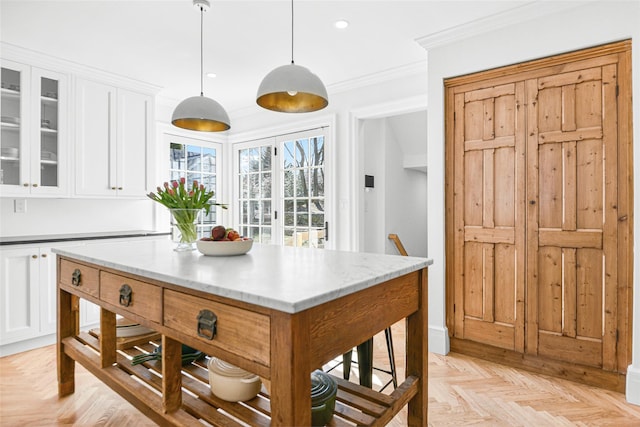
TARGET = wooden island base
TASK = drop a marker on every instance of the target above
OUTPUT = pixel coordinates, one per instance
(281, 347)
(354, 404)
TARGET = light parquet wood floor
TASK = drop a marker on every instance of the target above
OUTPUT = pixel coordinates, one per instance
(463, 391)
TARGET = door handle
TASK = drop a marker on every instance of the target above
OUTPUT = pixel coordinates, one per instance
(76, 277)
(207, 324)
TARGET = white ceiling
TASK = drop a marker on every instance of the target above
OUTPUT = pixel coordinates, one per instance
(157, 41)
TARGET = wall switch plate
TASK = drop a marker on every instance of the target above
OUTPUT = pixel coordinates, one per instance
(20, 205)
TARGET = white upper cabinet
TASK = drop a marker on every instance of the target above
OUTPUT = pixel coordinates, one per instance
(34, 144)
(134, 137)
(113, 137)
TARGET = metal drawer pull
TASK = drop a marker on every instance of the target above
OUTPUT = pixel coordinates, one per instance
(76, 277)
(207, 324)
(126, 294)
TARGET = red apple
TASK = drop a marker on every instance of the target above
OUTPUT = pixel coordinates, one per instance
(218, 232)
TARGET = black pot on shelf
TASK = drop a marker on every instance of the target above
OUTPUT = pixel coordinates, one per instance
(323, 397)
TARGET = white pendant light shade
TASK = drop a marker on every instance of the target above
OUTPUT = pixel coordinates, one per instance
(202, 114)
(199, 112)
(292, 89)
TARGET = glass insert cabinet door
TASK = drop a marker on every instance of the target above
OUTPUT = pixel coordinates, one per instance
(46, 161)
(14, 109)
(32, 146)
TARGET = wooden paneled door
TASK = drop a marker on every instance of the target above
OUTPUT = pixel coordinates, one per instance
(571, 217)
(489, 215)
(538, 208)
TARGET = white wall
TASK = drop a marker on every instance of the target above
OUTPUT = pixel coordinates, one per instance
(405, 200)
(587, 24)
(398, 202)
(374, 140)
(57, 216)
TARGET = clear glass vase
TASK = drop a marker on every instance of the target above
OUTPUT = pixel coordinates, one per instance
(184, 230)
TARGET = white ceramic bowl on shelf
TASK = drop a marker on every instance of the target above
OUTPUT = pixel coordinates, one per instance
(224, 248)
(230, 383)
(126, 328)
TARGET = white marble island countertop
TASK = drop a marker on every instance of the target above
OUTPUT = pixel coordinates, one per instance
(283, 278)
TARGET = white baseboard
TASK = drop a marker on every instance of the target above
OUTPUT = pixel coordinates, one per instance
(438, 340)
(33, 343)
(20, 346)
(633, 384)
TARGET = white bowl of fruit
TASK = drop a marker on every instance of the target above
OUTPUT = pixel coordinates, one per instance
(224, 242)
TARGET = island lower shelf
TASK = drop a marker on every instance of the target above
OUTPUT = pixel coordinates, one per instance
(142, 386)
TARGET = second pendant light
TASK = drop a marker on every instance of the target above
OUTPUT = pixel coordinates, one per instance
(292, 88)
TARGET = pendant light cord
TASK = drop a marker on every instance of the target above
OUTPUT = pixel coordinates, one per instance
(292, 31)
(201, 52)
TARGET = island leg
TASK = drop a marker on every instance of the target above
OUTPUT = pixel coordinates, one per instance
(290, 370)
(418, 356)
(67, 327)
(171, 375)
(108, 341)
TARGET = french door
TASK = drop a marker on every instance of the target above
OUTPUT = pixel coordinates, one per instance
(281, 191)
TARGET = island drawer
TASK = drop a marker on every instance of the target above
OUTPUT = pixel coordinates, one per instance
(133, 296)
(80, 277)
(237, 330)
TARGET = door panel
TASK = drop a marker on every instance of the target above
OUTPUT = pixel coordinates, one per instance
(569, 220)
(491, 195)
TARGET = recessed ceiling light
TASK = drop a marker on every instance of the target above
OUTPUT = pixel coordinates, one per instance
(341, 24)
(212, 75)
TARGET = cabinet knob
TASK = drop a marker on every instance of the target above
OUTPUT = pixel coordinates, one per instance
(119, 188)
(113, 188)
(35, 185)
(34, 256)
(26, 184)
(44, 255)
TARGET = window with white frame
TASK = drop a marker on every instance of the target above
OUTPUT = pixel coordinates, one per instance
(280, 183)
(197, 160)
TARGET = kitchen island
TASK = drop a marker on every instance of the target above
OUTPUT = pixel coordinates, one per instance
(279, 312)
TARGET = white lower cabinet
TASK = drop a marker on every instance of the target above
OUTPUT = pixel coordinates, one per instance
(89, 314)
(28, 300)
(20, 287)
(28, 289)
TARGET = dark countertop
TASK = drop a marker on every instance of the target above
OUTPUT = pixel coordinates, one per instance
(48, 238)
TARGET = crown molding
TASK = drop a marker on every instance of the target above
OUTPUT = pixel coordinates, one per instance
(391, 108)
(403, 71)
(526, 12)
(42, 60)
